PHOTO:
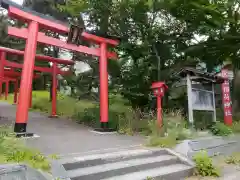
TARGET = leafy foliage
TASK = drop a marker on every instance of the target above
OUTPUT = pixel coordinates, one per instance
(221, 129)
(204, 165)
(91, 116)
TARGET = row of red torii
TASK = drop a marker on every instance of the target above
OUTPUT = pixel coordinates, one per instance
(32, 35)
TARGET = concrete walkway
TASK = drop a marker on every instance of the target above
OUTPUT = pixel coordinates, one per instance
(65, 137)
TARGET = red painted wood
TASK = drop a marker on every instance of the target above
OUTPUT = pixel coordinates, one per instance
(36, 68)
(54, 90)
(226, 99)
(38, 57)
(16, 75)
(159, 111)
(27, 74)
(55, 26)
(20, 66)
(42, 38)
(2, 59)
(103, 84)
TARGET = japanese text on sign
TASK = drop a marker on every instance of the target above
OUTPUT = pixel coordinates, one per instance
(226, 99)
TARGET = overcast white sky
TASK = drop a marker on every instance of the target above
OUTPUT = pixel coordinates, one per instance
(18, 1)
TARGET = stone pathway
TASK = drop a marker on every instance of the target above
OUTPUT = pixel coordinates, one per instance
(65, 137)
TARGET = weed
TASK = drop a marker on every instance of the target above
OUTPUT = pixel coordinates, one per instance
(233, 159)
(164, 142)
(204, 165)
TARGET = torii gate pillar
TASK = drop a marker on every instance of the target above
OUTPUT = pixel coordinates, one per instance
(26, 81)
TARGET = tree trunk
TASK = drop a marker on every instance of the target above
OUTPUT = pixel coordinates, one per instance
(236, 90)
(44, 82)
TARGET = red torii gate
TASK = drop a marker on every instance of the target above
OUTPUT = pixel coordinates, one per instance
(32, 36)
(12, 76)
(13, 65)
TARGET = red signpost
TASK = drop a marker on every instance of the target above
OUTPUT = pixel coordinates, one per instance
(159, 89)
(32, 36)
(226, 99)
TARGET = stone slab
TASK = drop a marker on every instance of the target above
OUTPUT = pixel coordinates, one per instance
(21, 172)
(213, 145)
(65, 137)
(137, 164)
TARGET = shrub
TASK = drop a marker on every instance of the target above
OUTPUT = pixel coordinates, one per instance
(90, 117)
(125, 125)
(204, 165)
(155, 130)
(173, 130)
(220, 129)
(126, 121)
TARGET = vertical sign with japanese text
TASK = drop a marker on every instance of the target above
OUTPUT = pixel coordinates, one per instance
(226, 98)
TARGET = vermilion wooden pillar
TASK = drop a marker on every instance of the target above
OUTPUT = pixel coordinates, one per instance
(2, 59)
(103, 86)
(26, 81)
(1, 89)
(15, 92)
(159, 111)
(54, 92)
(6, 89)
(159, 89)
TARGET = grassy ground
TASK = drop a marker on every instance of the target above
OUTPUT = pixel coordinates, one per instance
(13, 150)
(68, 106)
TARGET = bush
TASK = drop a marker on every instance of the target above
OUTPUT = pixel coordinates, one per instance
(126, 121)
(204, 165)
(90, 117)
(220, 129)
(173, 130)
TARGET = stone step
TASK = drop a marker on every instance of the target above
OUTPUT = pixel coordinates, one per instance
(136, 164)
(171, 172)
(122, 167)
(209, 143)
(101, 159)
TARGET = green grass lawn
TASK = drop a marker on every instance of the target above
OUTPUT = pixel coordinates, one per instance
(68, 106)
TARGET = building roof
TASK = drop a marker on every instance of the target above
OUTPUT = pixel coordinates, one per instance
(200, 76)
